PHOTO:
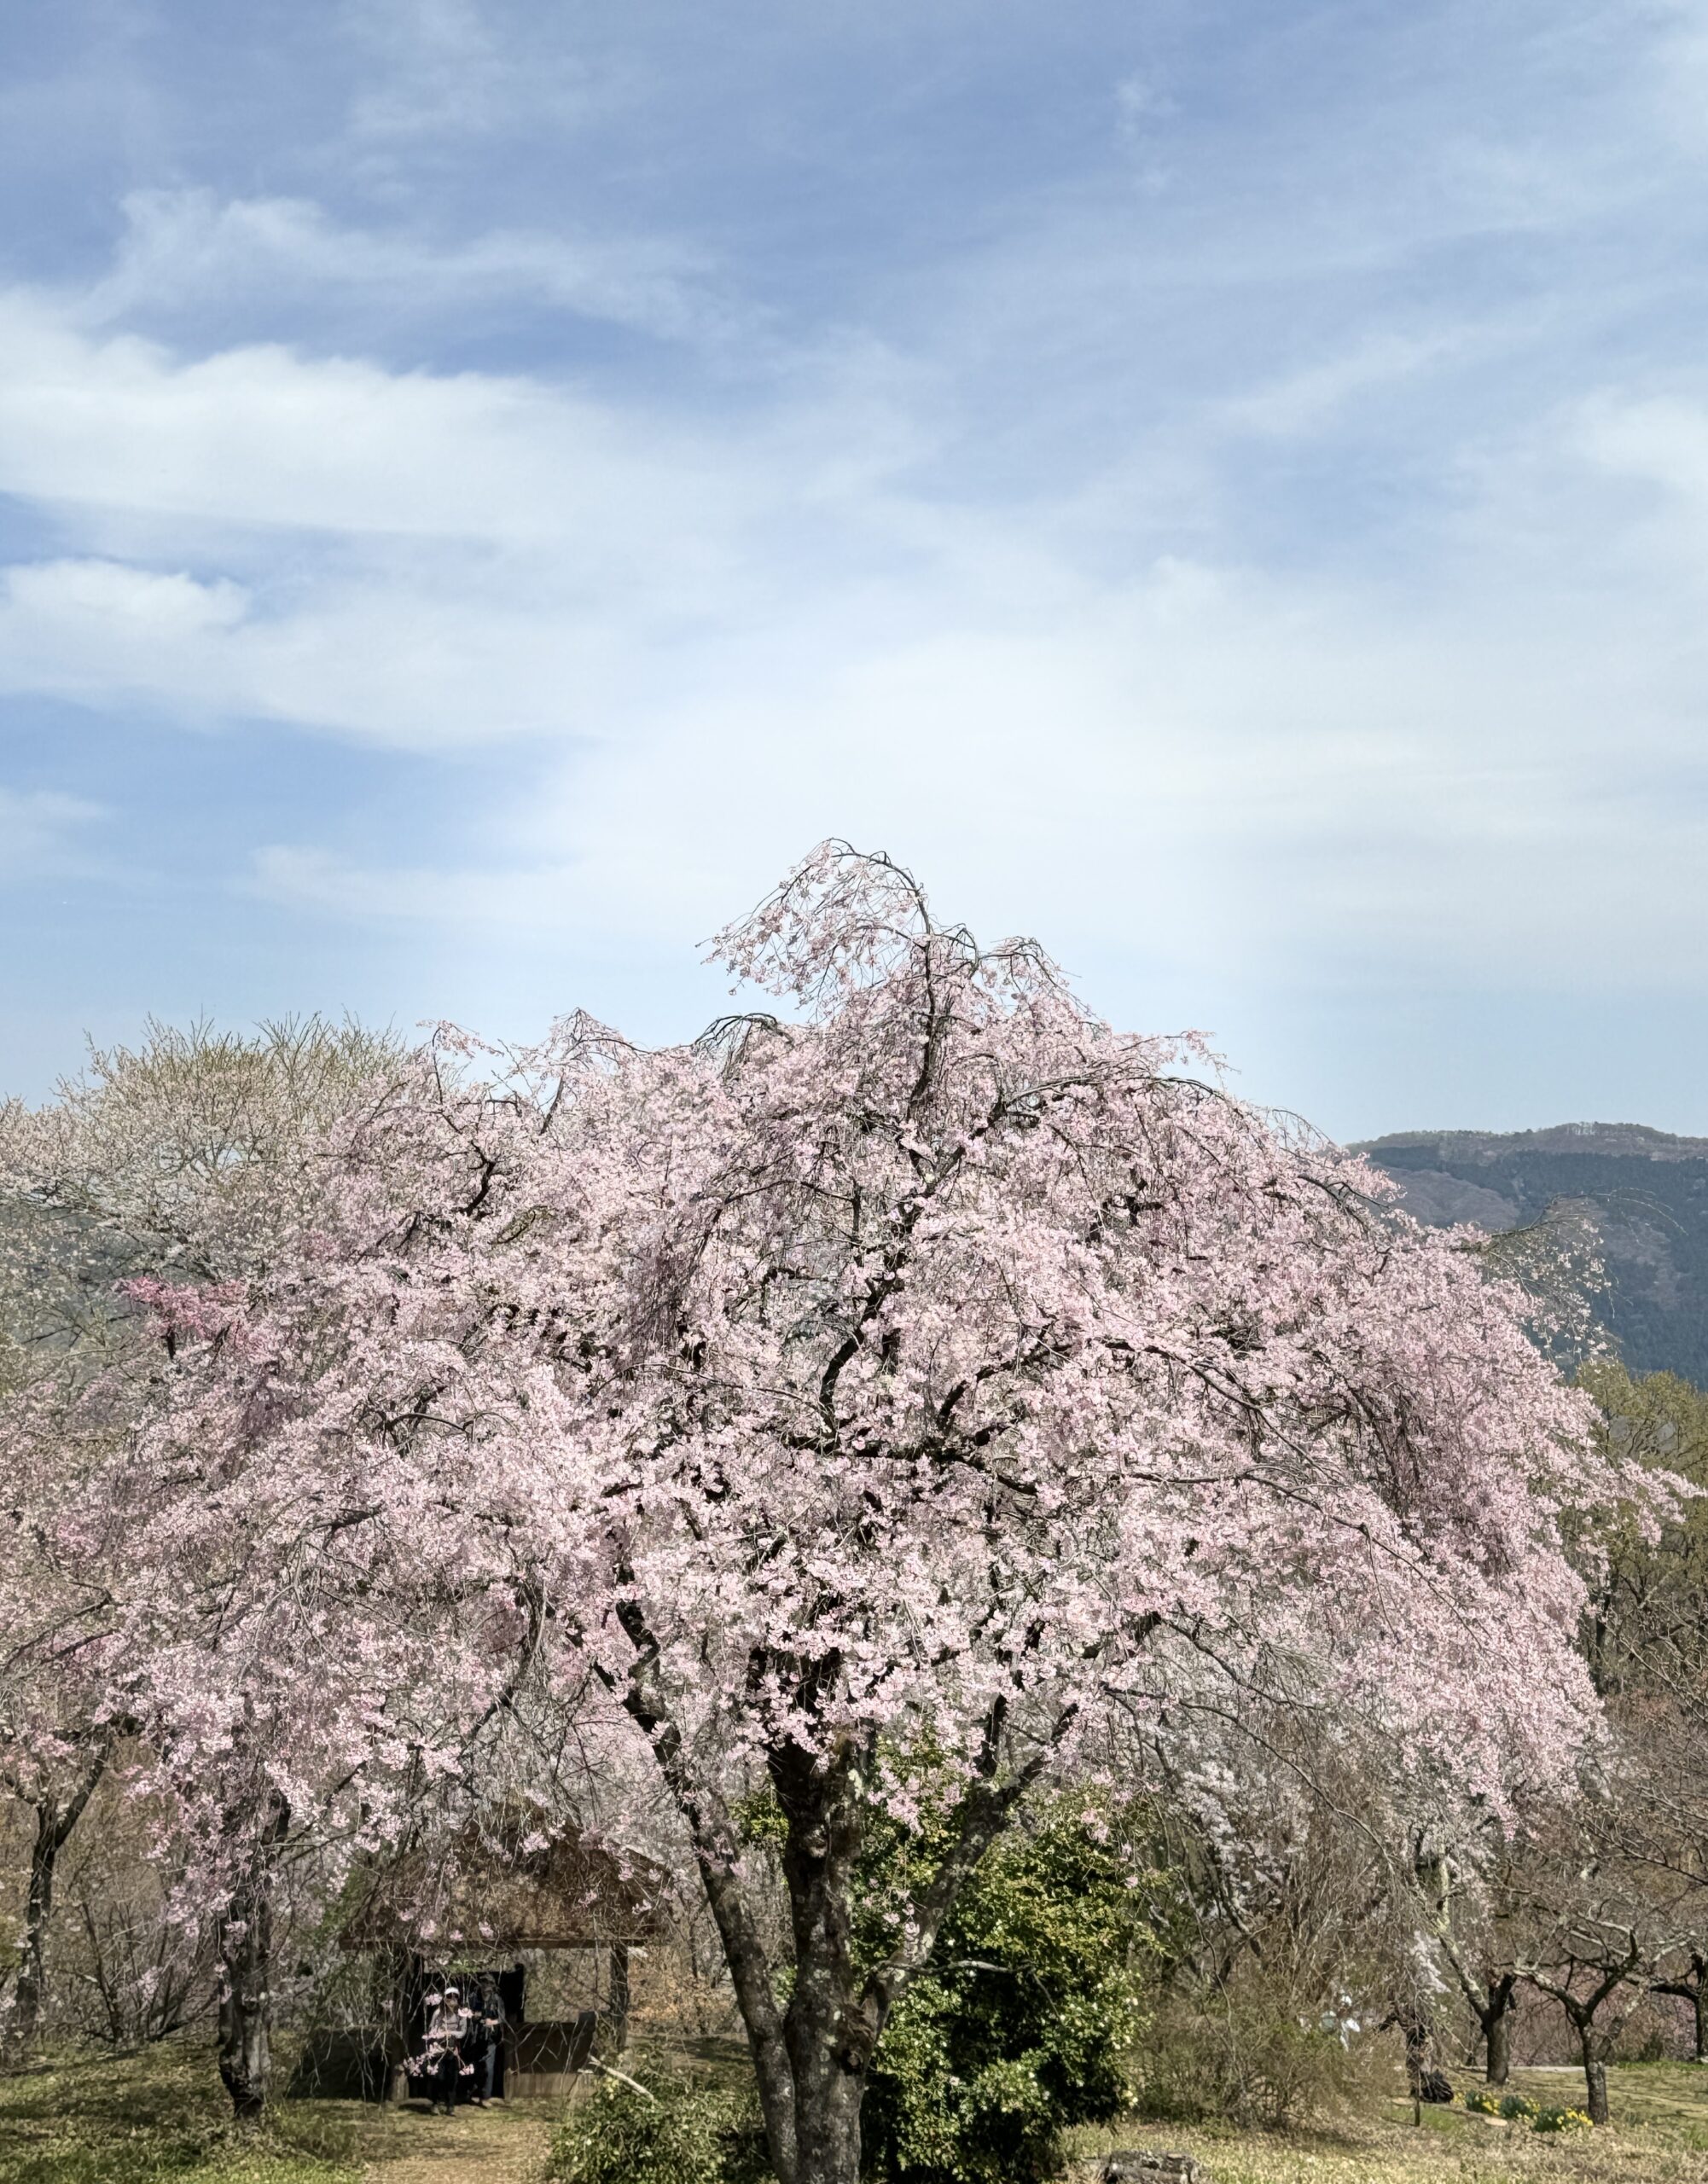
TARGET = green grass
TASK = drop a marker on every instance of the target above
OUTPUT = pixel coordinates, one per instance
(1659, 2134)
(159, 2114)
(146, 2118)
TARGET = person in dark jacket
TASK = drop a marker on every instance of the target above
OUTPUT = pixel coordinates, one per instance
(495, 2026)
(478, 2041)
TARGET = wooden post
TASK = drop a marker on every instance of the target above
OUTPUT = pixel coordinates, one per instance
(616, 2013)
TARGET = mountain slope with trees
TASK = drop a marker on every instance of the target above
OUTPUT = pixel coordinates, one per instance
(1645, 1194)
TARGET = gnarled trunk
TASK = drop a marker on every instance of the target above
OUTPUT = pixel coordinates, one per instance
(827, 2099)
(1497, 2015)
(831, 2026)
(245, 1941)
(1595, 2072)
(1500, 2030)
(1583, 2008)
(246, 1964)
(54, 1824)
(39, 1907)
(812, 2059)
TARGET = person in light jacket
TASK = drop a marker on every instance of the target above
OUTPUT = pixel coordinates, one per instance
(442, 2063)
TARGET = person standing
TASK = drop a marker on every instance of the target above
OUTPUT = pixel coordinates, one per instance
(442, 2064)
(499, 2026)
(485, 2031)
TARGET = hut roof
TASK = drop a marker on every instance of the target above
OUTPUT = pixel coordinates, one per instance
(511, 1887)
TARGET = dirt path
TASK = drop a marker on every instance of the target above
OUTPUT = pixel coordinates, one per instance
(491, 2146)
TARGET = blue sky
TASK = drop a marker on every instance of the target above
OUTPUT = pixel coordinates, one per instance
(1221, 486)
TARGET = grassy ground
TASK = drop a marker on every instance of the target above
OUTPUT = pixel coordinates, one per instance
(161, 2115)
(1659, 2134)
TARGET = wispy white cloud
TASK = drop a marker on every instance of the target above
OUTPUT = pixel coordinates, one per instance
(1308, 399)
(445, 70)
(499, 902)
(729, 636)
(266, 436)
(417, 558)
(189, 250)
(42, 833)
(1248, 514)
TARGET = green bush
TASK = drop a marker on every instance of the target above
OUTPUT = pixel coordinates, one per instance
(1519, 2108)
(691, 2132)
(1023, 2022)
(1483, 2102)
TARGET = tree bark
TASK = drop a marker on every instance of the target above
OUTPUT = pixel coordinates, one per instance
(1492, 1997)
(830, 2028)
(1595, 2072)
(811, 2060)
(38, 1909)
(245, 1963)
(1582, 2009)
(1498, 2028)
(717, 1852)
(54, 1826)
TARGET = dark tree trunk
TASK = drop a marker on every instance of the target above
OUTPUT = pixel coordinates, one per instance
(811, 2061)
(1594, 2075)
(398, 1984)
(1497, 2025)
(717, 1854)
(39, 1909)
(830, 2028)
(1592, 2046)
(54, 1824)
(1582, 2008)
(1501, 2047)
(246, 1940)
(1694, 1990)
(246, 1964)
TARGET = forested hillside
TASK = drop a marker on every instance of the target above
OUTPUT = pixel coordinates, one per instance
(1645, 1193)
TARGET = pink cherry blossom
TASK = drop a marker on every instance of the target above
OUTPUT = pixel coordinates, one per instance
(924, 1385)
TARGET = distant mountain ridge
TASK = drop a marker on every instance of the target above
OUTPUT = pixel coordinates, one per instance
(1645, 1191)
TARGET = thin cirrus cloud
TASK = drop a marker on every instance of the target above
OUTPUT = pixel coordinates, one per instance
(188, 249)
(1251, 532)
(44, 834)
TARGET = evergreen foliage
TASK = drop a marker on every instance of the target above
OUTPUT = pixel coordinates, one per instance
(683, 2129)
(1024, 2021)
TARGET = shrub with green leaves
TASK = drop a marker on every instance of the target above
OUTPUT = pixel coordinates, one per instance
(690, 2131)
(1519, 2108)
(1483, 2103)
(1025, 2019)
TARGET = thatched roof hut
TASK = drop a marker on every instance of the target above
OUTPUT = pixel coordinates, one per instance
(508, 1886)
